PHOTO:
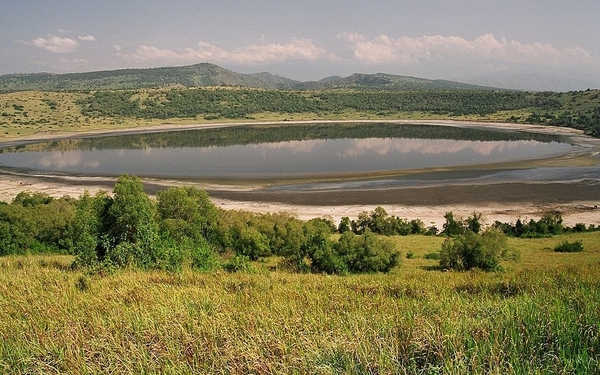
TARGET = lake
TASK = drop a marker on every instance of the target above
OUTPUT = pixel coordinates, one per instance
(282, 151)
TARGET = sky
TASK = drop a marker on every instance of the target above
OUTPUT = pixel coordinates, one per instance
(556, 41)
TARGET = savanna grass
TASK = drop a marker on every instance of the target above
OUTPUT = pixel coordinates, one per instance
(539, 320)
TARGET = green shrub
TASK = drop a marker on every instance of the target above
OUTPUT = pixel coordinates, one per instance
(83, 283)
(433, 255)
(239, 263)
(367, 253)
(569, 247)
(203, 258)
(249, 241)
(327, 259)
(470, 250)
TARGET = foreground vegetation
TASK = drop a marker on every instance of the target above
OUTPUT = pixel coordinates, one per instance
(182, 228)
(178, 286)
(536, 320)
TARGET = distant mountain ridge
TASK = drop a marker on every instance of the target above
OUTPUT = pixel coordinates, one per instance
(206, 74)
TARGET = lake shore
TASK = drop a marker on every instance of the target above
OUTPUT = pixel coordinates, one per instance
(506, 202)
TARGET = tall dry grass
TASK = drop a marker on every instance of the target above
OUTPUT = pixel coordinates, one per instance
(544, 319)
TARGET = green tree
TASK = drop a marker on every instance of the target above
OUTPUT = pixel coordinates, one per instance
(471, 250)
(344, 225)
(186, 213)
(417, 226)
(474, 222)
(132, 213)
(134, 229)
(89, 228)
(452, 226)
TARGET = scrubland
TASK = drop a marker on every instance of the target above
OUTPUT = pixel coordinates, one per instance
(540, 315)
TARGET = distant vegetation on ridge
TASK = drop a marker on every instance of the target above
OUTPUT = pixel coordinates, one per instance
(206, 92)
(205, 74)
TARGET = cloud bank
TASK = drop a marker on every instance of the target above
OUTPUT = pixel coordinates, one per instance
(297, 49)
(56, 44)
(383, 50)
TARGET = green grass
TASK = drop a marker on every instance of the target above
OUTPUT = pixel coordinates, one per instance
(28, 113)
(540, 316)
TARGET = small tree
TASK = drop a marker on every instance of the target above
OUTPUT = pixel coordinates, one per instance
(471, 250)
(122, 230)
(133, 213)
(417, 227)
(452, 227)
(344, 225)
(367, 253)
(474, 222)
(187, 213)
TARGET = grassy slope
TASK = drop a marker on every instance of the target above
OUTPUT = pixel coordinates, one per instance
(32, 112)
(541, 316)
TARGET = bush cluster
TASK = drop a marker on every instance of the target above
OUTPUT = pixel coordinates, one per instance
(36, 223)
(378, 221)
(183, 228)
(468, 246)
(548, 225)
(471, 250)
(569, 247)
(180, 228)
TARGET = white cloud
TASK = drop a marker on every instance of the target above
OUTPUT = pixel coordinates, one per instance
(297, 49)
(383, 50)
(73, 62)
(87, 38)
(55, 44)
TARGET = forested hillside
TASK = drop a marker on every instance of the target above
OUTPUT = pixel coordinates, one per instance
(201, 75)
(579, 110)
(31, 112)
(229, 103)
(187, 76)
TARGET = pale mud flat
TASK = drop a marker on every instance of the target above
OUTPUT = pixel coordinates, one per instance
(572, 210)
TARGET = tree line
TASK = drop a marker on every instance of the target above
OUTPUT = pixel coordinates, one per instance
(579, 110)
(182, 228)
(240, 103)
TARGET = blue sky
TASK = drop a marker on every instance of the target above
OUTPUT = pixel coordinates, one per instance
(307, 40)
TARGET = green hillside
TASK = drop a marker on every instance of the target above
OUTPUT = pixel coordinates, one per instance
(201, 75)
(38, 103)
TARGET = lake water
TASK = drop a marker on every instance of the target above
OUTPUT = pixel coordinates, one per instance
(264, 152)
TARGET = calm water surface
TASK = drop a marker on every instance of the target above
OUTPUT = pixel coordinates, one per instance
(311, 152)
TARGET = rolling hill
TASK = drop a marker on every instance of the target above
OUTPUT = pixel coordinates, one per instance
(211, 75)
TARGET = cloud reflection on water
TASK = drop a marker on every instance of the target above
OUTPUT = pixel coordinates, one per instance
(297, 157)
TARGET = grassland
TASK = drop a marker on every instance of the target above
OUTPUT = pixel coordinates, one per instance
(540, 316)
(27, 113)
